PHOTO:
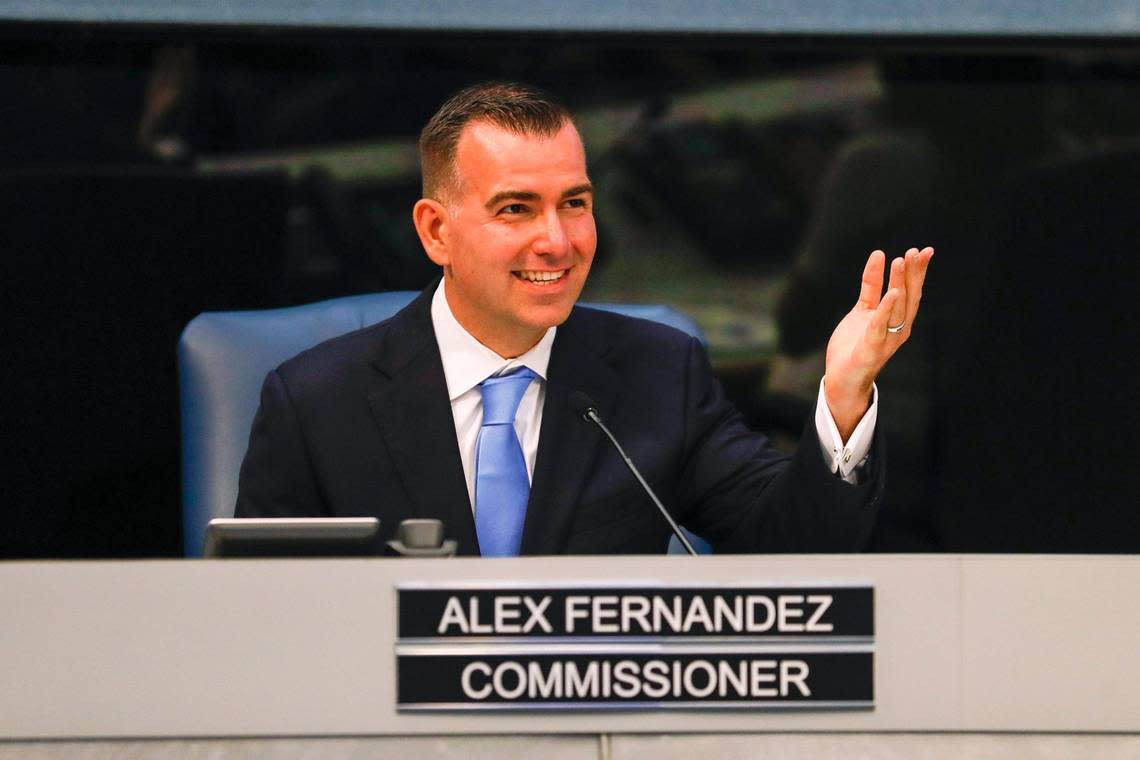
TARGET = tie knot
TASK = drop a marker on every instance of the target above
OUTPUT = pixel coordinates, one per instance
(502, 394)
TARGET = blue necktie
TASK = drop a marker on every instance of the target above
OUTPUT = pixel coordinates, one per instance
(502, 487)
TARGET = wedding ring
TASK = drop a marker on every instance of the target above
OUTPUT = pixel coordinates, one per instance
(897, 328)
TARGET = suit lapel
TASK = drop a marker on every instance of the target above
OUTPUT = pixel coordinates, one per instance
(568, 446)
(412, 409)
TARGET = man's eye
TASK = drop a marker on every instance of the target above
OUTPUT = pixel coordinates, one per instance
(514, 208)
(577, 203)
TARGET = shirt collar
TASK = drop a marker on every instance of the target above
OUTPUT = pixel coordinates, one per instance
(466, 361)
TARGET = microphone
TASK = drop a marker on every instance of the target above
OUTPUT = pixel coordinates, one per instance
(421, 538)
(584, 406)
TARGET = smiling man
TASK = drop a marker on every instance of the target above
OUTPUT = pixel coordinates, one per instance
(509, 217)
(458, 407)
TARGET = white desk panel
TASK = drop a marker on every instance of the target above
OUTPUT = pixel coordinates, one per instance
(184, 648)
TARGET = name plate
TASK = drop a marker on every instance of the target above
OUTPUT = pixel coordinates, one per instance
(578, 646)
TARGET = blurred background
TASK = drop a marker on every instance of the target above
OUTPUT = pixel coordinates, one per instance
(154, 168)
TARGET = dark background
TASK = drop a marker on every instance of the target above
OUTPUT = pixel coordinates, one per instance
(151, 173)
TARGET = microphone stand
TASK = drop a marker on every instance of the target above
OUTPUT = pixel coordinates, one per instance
(590, 414)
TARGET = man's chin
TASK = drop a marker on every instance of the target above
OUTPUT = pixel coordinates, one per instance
(547, 318)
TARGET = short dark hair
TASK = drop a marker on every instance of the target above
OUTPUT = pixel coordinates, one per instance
(519, 108)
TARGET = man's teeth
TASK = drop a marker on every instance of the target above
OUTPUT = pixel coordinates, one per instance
(540, 277)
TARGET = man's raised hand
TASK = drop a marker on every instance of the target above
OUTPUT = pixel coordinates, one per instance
(870, 334)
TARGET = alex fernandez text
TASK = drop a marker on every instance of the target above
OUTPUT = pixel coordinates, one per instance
(652, 615)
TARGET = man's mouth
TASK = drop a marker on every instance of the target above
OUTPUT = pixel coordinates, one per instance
(540, 278)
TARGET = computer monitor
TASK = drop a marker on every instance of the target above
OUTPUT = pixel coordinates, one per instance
(293, 537)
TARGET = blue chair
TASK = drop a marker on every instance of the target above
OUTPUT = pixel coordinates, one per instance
(223, 358)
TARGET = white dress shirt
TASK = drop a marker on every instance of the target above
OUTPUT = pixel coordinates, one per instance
(845, 459)
(467, 362)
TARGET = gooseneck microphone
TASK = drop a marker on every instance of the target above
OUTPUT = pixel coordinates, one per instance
(584, 406)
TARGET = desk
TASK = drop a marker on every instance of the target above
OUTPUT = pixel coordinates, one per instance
(204, 650)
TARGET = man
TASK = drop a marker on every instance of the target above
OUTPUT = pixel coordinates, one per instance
(459, 406)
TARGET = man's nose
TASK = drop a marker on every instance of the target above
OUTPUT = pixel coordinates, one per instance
(551, 237)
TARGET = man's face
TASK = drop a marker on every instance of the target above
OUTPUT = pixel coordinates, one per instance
(519, 234)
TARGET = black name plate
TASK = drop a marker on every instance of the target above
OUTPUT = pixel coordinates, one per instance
(605, 680)
(838, 612)
(575, 646)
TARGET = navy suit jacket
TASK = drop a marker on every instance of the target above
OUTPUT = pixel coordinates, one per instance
(361, 426)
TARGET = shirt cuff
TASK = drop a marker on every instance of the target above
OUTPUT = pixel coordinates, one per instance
(845, 460)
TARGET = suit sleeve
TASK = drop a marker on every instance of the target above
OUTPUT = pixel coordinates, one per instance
(744, 496)
(277, 477)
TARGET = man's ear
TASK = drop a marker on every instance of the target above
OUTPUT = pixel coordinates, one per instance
(431, 220)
